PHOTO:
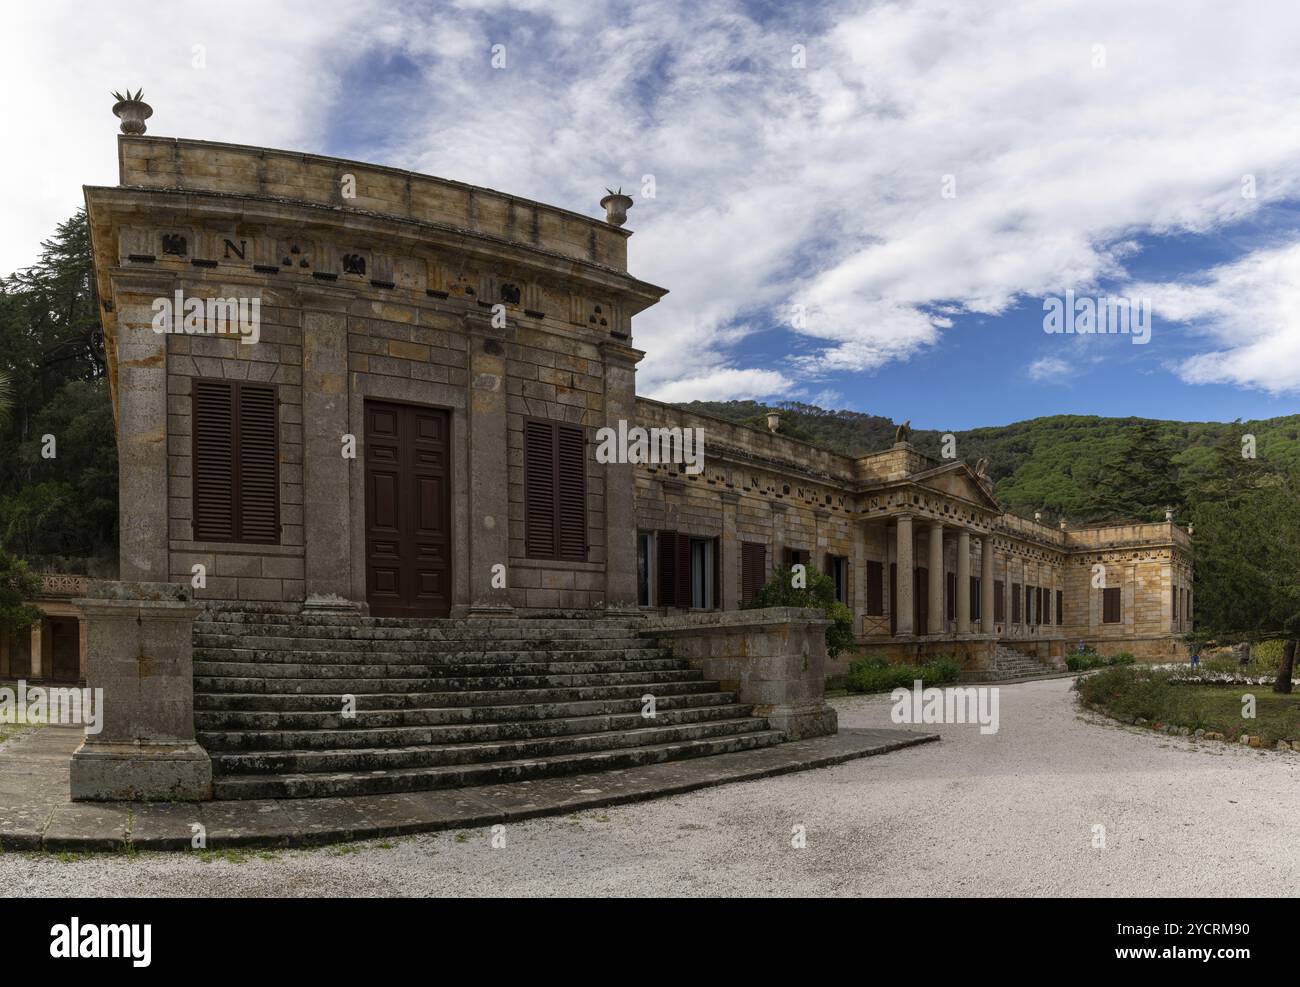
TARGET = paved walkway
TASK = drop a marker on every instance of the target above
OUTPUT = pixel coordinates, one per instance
(35, 812)
(1009, 814)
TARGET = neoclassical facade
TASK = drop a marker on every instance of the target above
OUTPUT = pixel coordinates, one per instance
(411, 432)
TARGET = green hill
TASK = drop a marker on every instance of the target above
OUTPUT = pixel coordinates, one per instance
(1059, 464)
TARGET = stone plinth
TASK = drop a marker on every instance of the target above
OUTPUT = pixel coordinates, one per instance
(138, 646)
(773, 659)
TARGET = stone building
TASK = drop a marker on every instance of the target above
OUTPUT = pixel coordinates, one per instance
(406, 427)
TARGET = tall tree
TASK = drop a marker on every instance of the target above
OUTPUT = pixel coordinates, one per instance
(1142, 481)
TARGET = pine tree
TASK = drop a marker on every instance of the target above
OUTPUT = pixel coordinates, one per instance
(1142, 481)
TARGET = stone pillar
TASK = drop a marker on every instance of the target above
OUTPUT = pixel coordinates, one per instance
(489, 500)
(936, 578)
(903, 606)
(141, 412)
(620, 363)
(963, 581)
(326, 474)
(37, 666)
(987, 624)
(138, 638)
(730, 548)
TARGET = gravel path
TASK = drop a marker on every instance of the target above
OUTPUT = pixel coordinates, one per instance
(1010, 814)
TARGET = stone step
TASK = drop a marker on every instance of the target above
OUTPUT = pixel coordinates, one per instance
(464, 775)
(443, 755)
(473, 733)
(418, 645)
(332, 701)
(274, 656)
(219, 720)
(475, 683)
(439, 671)
(353, 620)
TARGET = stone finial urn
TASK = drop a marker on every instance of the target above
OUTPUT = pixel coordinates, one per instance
(1169, 513)
(773, 421)
(132, 111)
(616, 205)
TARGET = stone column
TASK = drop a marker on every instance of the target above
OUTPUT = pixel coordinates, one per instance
(141, 743)
(141, 397)
(489, 500)
(325, 472)
(620, 363)
(936, 578)
(987, 623)
(963, 581)
(902, 606)
(729, 545)
(37, 666)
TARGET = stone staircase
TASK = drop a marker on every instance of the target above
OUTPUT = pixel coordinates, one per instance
(443, 703)
(1008, 663)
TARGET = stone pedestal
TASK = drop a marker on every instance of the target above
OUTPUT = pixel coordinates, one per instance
(773, 659)
(138, 641)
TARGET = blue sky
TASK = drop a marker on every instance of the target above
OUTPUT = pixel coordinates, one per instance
(859, 204)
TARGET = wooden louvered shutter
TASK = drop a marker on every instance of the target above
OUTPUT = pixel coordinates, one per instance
(974, 607)
(875, 589)
(539, 490)
(571, 493)
(257, 474)
(1060, 607)
(555, 491)
(950, 585)
(667, 568)
(753, 560)
(682, 583)
(213, 429)
(717, 573)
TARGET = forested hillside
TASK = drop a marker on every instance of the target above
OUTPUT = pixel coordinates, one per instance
(1064, 465)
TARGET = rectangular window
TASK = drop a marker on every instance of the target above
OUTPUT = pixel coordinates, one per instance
(555, 491)
(1060, 607)
(1016, 597)
(1029, 604)
(1046, 595)
(1110, 606)
(999, 601)
(753, 566)
(1177, 593)
(645, 567)
(236, 457)
(795, 556)
(974, 597)
(876, 589)
(950, 594)
(837, 567)
(704, 573)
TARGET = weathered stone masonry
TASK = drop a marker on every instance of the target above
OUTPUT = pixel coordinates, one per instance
(388, 299)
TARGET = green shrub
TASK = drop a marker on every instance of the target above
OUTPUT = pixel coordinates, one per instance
(817, 593)
(874, 673)
(1083, 661)
(16, 585)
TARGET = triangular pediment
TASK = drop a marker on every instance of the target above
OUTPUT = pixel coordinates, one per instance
(956, 479)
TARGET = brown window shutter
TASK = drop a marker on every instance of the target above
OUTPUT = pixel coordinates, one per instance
(667, 568)
(1060, 606)
(213, 427)
(975, 598)
(717, 573)
(875, 589)
(539, 490)
(753, 560)
(1110, 600)
(236, 462)
(999, 601)
(555, 491)
(1015, 603)
(257, 473)
(683, 580)
(571, 469)
(950, 586)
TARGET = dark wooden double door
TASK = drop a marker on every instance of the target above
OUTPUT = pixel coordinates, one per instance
(408, 510)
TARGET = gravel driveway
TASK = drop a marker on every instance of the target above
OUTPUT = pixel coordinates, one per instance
(1010, 814)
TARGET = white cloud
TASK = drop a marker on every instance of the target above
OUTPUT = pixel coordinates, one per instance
(1248, 311)
(775, 185)
(1048, 368)
(723, 384)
